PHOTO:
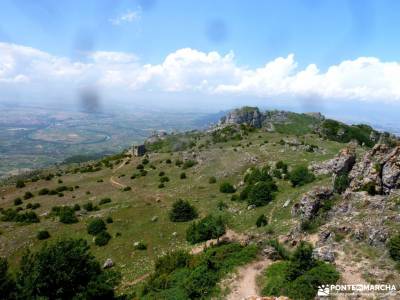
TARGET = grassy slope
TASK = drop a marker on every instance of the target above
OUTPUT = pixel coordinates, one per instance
(132, 210)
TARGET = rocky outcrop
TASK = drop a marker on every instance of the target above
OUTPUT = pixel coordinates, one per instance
(379, 168)
(342, 163)
(311, 202)
(246, 115)
(325, 253)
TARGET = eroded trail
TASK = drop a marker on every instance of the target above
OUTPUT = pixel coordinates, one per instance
(244, 285)
(113, 181)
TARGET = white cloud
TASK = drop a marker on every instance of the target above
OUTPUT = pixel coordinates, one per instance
(126, 17)
(186, 71)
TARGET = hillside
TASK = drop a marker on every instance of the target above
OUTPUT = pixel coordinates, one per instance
(346, 205)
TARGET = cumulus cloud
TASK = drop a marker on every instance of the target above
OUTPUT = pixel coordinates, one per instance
(126, 17)
(191, 71)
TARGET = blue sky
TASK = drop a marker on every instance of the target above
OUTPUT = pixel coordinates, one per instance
(314, 54)
(321, 32)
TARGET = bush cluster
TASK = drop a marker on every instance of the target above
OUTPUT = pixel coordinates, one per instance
(179, 275)
(182, 211)
(300, 276)
(66, 263)
(301, 176)
(260, 187)
(210, 227)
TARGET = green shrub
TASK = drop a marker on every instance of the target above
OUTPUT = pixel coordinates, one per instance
(183, 175)
(28, 195)
(394, 247)
(300, 276)
(212, 180)
(109, 220)
(11, 215)
(7, 282)
(20, 184)
(96, 226)
(67, 215)
(261, 193)
(66, 263)
(88, 206)
(182, 211)
(145, 161)
(370, 188)
(77, 207)
(43, 235)
(282, 252)
(221, 205)
(104, 201)
(226, 187)
(210, 227)
(162, 173)
(140, 246)
(168, 161)
(43, 191)
(164, 179)
(301, 176)
(261, 221)
(341, 183)
(140, 167)
(126, 189)
(188, 164)
(17, 201)
(161, 185)
(179, 275)
(282, 166)
(102, 238)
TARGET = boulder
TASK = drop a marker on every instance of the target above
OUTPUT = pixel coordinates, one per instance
(108, 263)
(311, 202)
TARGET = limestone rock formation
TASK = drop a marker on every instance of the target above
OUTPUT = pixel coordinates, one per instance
(379, 167)
(311, 202)
(246, 115)
(342, 163)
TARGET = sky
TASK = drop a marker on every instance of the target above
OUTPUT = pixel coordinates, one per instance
(207, 55)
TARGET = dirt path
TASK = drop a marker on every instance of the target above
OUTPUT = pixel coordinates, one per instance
(113, 181)
(245, 285)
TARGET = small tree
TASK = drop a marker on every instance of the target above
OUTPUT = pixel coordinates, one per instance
(262, 221)
(96, 226)
(226, 187)
(301, 176)
(261, 194)
(182, 211)
(43, 235)
(20, 184)
(17, 201)
(64, 270)
(102, 238)
(7, 283)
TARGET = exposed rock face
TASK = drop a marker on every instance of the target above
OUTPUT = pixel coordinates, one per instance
(325, 253)
(343, 162)
(311, 202)
(246, 115)
(379, 167)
